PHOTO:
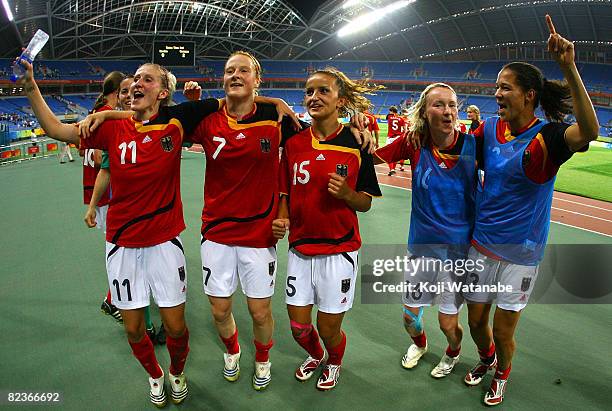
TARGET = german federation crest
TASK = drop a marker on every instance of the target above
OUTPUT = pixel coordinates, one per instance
(346, 285)
(342, 170)
(525, 283)
(265, 145)
(166, 143)
(271, 268)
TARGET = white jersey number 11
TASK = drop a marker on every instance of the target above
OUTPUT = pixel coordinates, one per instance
(124, 146)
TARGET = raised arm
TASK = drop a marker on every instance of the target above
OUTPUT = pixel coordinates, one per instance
(51, 124)
(587, 126)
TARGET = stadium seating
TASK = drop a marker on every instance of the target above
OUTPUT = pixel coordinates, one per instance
(596, 77)
(382, 100)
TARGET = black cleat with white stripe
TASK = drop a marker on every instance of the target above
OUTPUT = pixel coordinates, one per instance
(109, 309)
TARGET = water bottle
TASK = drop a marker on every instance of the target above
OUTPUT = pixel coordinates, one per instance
(36, 44)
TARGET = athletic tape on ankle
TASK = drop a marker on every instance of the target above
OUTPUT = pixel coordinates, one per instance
(417, 322)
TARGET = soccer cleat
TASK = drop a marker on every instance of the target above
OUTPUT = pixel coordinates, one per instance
(402, 169)
(178, 387)
(475, 375)
(329, 377)
(231, 368)
(413, 355)
(391, 173)
(495, 395)
(160, 338)
(151, 333)
(158, 392)
(109, 309)
(308, 367)
(262, 375)
(445, 366)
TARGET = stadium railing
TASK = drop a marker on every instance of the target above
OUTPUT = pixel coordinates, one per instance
(28, 150)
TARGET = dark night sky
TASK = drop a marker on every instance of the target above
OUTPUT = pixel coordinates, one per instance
(306, 7)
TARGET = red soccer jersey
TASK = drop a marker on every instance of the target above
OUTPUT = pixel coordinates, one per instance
(241, 182)
(145, 159)
(373, 123)
(90, 172)
(395, 125)
(320, 223)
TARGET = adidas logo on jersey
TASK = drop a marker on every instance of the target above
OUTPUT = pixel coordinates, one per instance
(321, 157)
(442, 165)
(240, 136)
(147, 139)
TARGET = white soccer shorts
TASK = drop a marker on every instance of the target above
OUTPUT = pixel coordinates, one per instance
(325, 280)
(521, 279)
(224, 265)
(432, 284)
(136, 273)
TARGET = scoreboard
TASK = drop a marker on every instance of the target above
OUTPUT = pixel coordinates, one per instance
(174, 53)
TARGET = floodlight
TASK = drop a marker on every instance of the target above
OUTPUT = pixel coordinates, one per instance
(7, 10)
(372, 17)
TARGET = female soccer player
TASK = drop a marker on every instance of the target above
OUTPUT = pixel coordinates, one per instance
(102, 180)
(145, 217)
(522, 155)
(324, 179)
(241, 143)
(441, 220)
(373, 127)
(100, 192)
(92, 159)
(473, 114)
(396, 126)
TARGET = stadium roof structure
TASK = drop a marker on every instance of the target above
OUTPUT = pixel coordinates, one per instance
(307, 29)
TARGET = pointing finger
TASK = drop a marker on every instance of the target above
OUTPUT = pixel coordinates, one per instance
(550, 24)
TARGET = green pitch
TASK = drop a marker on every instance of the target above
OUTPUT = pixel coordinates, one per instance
(588, 174)
(55, 339)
